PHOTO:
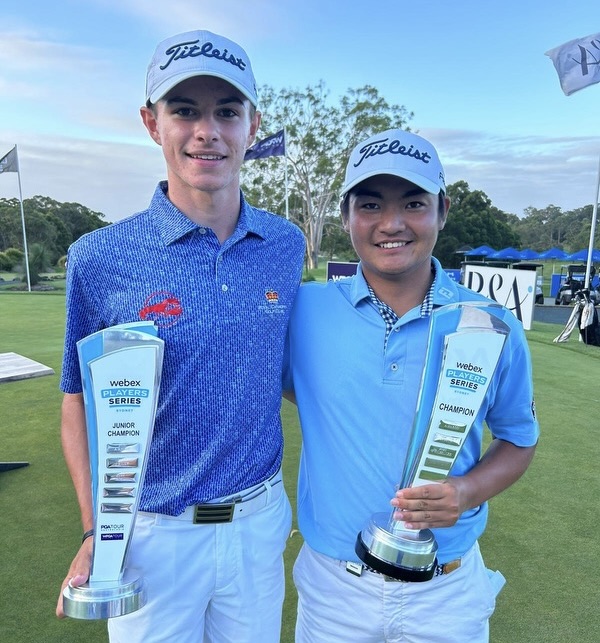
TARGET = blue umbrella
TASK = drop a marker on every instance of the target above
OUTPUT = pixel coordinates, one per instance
(481, 251)
(506, 253)
(582, 255)
(553, 253)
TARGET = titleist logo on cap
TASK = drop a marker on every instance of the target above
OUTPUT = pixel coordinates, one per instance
(398, 153)
(190, 49)
(199, 53)
(382, 146)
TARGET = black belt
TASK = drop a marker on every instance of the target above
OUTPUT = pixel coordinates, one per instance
(440, 569)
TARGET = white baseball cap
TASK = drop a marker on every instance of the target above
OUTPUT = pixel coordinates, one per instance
(199, 53)
(398, 153)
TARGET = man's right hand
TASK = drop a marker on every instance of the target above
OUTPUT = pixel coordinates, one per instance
(79, 572)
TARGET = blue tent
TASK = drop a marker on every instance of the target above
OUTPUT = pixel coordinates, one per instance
(582, 255)
(481, 251)
(529, 254)
(553, 253)
(506, 253)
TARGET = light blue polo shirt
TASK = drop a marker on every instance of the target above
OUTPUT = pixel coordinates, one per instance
(222, 311)
(357, 399)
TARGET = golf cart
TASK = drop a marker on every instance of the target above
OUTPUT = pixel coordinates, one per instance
(573, 282)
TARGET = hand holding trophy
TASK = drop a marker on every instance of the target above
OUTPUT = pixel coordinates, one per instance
(465, 344)
(121, 369)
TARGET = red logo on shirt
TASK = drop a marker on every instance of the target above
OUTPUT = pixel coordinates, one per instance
(163, 308)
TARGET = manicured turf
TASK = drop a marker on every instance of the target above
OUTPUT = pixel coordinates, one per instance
(541, 534)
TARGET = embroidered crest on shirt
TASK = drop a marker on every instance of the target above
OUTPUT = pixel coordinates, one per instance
(272, 306)
(272, 296)
(163, 308)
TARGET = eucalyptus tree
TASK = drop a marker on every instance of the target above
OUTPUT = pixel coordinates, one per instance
(320, 132)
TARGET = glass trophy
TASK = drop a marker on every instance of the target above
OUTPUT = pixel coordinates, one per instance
(465, 344)
(121, 370)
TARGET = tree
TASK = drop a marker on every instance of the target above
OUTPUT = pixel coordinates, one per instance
(336, 241)
(6, 263)
(47, 222)
(14, 254)
(473, 221)
(578, 225)
(550, 227)
(319, 138)
(541, 229)
(38, 262)
(11, 233)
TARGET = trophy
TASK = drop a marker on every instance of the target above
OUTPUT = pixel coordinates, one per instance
(120, 371)
(464, 347)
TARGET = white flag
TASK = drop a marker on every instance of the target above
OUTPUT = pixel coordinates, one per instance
(577, 63)
(9, 163)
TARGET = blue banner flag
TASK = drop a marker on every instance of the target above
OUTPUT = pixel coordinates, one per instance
(271, 146)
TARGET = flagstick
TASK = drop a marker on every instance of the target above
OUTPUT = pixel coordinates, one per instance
(23, 223)
(588, 270)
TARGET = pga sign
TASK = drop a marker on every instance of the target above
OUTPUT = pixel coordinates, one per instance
(514, 289)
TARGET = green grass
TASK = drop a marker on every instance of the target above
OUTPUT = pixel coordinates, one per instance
(541, 533)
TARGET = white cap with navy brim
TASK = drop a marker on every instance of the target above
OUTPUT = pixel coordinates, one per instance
(399, 153)
(199, 53)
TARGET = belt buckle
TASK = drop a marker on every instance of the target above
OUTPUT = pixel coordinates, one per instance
(354, 568)
(213, 513)
(448, 568)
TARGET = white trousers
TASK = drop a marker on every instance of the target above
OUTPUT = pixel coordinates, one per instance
(218, 583)
(336, 606)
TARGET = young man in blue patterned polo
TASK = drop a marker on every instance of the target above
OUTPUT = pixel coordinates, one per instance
(218, 278)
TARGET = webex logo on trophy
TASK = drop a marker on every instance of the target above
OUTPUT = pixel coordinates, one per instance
(120, 370)
(465, 344)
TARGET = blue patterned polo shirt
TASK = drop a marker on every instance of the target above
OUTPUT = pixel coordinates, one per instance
(222, 311)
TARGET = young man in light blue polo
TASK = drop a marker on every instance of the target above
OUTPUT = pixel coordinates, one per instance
(356, 353)
(218, 277)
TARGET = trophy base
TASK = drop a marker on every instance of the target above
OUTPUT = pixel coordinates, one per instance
(105, 599)
(401, 554)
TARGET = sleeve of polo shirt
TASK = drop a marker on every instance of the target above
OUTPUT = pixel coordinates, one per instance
(286, 377)
(82, 319)
(512, 415)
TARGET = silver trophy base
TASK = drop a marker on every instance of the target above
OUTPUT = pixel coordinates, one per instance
(401, 554)
(98, 600)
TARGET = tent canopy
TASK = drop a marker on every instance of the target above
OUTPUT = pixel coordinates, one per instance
(481, 251)
(529, 254)
(553, 253)
(582, 255)
(506, 253)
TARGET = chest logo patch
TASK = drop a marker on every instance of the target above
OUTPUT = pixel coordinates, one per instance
(163, 308)
(272, 296)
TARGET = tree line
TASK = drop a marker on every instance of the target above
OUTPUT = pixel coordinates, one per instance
(50, 226)
(320, 133)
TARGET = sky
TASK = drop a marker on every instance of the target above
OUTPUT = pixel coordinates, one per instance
(473, 73)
